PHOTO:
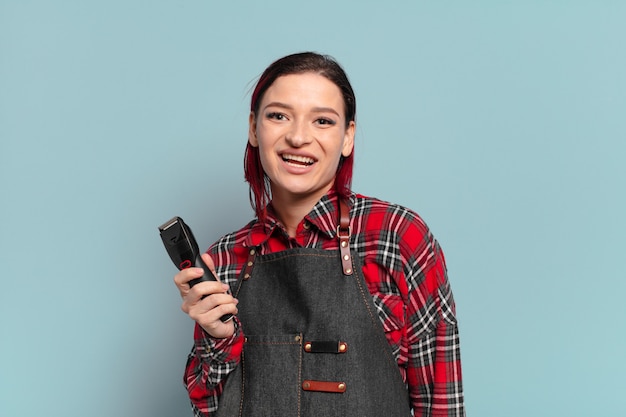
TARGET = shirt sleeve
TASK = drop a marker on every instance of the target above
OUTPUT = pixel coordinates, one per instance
(209, 363)
(433, 350)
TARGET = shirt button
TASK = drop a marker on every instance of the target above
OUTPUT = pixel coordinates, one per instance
(306, 225)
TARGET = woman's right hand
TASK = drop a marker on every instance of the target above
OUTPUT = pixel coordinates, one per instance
(216, 302)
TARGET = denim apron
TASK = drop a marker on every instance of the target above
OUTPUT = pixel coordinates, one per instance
(314, 345)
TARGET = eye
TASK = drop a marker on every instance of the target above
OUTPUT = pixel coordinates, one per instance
(276, 116)
(325, 121)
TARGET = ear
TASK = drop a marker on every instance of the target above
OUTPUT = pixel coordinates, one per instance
(252, 139)
(348, 140)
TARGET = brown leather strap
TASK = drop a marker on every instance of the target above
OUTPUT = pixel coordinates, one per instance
(324, 386)
(343, 234)
(249, 263)
(247, 270)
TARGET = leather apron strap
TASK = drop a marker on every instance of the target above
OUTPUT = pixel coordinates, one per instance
(344, 233)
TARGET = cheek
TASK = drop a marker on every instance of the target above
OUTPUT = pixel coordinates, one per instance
(263, 136)
(265, 153)
(337, 146)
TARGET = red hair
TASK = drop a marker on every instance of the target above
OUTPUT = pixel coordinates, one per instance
(326, 66)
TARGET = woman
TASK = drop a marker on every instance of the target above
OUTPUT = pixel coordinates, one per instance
(342, 301)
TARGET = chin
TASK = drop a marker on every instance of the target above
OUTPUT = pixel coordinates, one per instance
(303, 191)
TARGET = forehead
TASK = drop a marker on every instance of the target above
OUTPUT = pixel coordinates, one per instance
(304, 88)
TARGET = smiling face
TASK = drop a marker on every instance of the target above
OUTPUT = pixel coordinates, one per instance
(301, 132)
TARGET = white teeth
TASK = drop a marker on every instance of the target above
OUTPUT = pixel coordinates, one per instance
(297, 158)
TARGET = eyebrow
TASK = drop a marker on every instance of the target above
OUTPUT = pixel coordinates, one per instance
(314, 110)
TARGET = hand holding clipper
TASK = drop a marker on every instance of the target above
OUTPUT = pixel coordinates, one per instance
(183, 249)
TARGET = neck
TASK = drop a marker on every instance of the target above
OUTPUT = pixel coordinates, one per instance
(291, 209)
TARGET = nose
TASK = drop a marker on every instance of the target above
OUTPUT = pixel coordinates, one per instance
(299, 134)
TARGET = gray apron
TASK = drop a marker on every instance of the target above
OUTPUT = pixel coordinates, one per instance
(314, 345)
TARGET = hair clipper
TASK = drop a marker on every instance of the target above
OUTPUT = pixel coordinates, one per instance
(183, 249)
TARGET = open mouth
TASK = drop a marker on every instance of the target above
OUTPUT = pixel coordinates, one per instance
(298, 160)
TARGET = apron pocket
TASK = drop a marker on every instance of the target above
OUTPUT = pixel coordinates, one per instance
(271, 373)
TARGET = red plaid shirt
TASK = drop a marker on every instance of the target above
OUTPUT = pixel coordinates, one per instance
(405, 272)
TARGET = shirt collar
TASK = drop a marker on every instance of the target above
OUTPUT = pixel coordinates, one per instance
(324, 217)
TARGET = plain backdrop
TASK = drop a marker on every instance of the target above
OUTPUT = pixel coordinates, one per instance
(502, 123)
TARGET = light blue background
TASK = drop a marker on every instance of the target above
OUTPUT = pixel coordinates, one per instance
(502, 123)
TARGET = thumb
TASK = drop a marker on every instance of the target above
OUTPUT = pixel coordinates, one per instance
(209, 262)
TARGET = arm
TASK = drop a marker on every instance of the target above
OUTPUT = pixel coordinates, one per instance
(434, 365)
(210, 362)
(217, 345)
(406, 274)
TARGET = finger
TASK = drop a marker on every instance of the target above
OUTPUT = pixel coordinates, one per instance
(208, 303)
(214, 300)
(183, 277)
(206, 288)
(209, 312)
(215, 327)
(209, 262)
(193, 297)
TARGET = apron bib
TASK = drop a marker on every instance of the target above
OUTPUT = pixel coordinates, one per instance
(314, 344)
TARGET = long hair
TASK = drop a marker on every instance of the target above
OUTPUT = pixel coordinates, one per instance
(299, 63)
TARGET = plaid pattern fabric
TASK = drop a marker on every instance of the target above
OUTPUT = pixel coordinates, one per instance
(405, 271)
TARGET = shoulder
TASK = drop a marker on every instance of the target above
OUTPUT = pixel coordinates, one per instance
(399, 239)
(371, 214)
(397, 234)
